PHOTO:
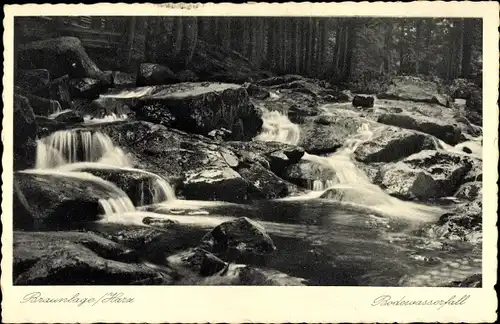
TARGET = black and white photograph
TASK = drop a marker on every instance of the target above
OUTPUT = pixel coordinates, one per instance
(248, 150)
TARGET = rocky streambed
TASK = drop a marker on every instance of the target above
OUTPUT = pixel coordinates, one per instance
(160, 178)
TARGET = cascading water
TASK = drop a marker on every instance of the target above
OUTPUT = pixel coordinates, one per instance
(106, 119)
(69, 146)
(278, 128)
(154, 186)
(351, 186)
(67, 153)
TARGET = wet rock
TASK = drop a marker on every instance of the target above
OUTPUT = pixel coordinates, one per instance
(474, 281)
(103, 106)
(361, 101)
(327, 133)
(270, 185)
(45, 201)
(470, 191)
(159, 222)
(69, 117)
(152, 243)
(140, 186)
(40, 106)
(202, 107)
(242, 275)
(450, 134)
(46, 125)
(279, 80)
(242, 235)
(278, 155)
(348, 194)
(467, 150)
(221, 183)
(155, 74)
(57, 90)
(156, 113)
(32, 79)
(256, 91)
(197, 260)
(476, 172)
(424, 175)
(25, 132)
(85, 88)
(304, 173)
(60, 56)
(72, 258)
(464, 223)
(391, 144)
(124, 80)
(414, 89)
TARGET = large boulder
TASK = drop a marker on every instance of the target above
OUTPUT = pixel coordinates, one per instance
(243, 275)
(464, 223)
(278, 155)
(73, 258)
(424, 175)
(41, 106)
(60, 56)
(58, 200)
(204, 168)
(218, 183)
(155, 74)
(362, 101)
(279, 80)
(197, 261)
(414, 89)
(197, 107)
(58, 90)
(68, 117)
(32, 79)
(85, 88)
(241, 235)
(393, 143)
(304, 173)
(25, 132)
(441, 129)
(470, 191)
(124, 80)
(327, 133)
(141, 187)
(265, 181)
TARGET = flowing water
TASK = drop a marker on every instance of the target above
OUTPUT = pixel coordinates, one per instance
(355, 235)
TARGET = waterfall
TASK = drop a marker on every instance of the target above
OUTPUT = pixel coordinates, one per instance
(116, 201)
(278, 128)
(69, 146)
(105, 119)
(157, 187)
(351, 186)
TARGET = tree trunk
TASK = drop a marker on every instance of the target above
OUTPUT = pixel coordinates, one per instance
(418, 46)
(466, 47)
(303, 44)
(294, 50)
(401, 46)
(388, 47)
(225, 32)
(309, 46)
(271, 40)
(428, 37)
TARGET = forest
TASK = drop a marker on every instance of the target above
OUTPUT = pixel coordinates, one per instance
(362, 52)
(188, 150)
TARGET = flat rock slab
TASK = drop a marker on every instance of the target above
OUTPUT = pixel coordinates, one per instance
(73, 258)
(196, 107)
